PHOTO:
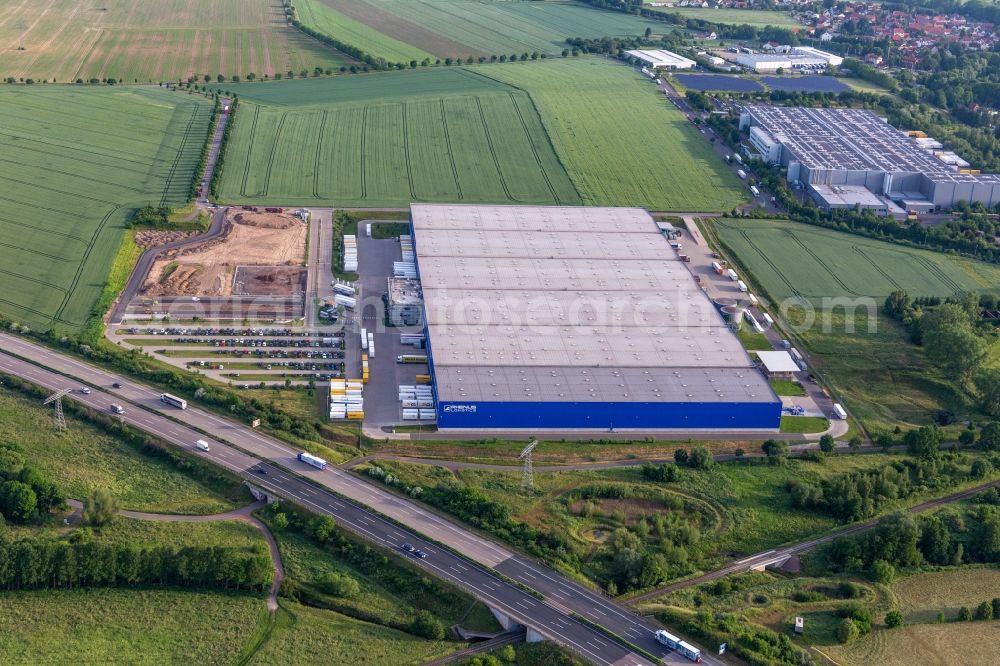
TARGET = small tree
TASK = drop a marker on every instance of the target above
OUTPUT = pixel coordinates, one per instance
(681, 456)
(996, 607)
(964, 614)
(883, 572)
(340, 585)
(99, 508)
(827, 443)
(984, 611)
(893, 619)
(967, 437)
(855, 443)
(427, 626)
(775, 450)
(280, 522)
(847, 631)
(700, 458)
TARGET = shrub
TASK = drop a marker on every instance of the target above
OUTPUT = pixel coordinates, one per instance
(807, 596)
(984, 611)
(339, 585)
(427, 626)
(964, 614)
(700, 458)
(893, 619)
(849, 590)
(883, 572)
(847, 631)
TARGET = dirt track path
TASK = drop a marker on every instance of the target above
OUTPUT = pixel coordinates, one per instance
(244, 514)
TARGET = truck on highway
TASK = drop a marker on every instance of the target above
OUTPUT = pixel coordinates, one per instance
(173, 400)
(202, 445)
(310, 459)
(676, 644)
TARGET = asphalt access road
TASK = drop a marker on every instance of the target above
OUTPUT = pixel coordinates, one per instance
(551, 617)
(138, 276)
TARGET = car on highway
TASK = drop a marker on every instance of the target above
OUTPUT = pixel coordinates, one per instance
(260, 470)
(202, 445)
(408, 547)
(117, 409)
(116, 385)
(85, 391)
(421, 554)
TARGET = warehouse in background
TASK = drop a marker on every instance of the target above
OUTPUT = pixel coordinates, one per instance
(575, 319)
(660, 59)
(852, 159)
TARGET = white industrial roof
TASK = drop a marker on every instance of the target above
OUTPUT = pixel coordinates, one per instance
(661, 58)
(569, 304)
(778, 361)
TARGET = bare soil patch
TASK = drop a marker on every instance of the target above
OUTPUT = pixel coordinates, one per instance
(148, 238)
(270, 240)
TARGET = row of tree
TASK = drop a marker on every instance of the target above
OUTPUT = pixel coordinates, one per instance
(864, 493)
(45, 564)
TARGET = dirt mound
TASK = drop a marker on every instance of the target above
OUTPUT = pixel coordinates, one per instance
(265, 220)
(148, 238)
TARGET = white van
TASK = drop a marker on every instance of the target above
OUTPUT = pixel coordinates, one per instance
(201, 445)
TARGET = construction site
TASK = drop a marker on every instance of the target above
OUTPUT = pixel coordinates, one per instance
(254, 270)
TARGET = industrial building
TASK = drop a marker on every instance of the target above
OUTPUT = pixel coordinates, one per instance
(660, 60)
(789, 58)
(575, 318)
(850, 158)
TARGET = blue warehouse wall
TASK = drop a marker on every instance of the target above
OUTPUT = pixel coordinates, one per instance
(605, 416)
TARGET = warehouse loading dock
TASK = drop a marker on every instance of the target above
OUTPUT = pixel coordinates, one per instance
(575, 318)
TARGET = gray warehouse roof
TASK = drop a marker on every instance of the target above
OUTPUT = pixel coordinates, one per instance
(570, 304)
(848, 139)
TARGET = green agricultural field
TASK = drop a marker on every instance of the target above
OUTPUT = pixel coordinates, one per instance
(74, 163)
(323, 17)
(304, 635)
(389, 139)
(143, 41)
(621, 142)
(884, 380)
(85, 458)
(103, 626)
(758, 18)
(791, 259)
(463, 28)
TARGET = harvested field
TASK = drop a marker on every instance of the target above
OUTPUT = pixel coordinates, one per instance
(144, 41)
(251, 239)
(463, 28)
(924, 644)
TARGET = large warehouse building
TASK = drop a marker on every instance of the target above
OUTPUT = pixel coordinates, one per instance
(851, 158)
(575, 318)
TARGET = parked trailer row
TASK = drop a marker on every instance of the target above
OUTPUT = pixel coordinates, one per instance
(406, 247)
(350, 253)
(343, 288)
(348, 302)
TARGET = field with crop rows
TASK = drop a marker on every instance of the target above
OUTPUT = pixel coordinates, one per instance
(141, 40)
(462, 28)
(392, 138)
(73, 164)
(758, 18)
(793, 259)
(620, 141)
(321, 16)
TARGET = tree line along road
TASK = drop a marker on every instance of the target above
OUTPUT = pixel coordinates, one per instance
(240, 449)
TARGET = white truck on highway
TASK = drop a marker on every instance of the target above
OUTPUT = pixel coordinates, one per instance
(310, 459)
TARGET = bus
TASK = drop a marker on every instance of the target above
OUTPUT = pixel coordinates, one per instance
(173, 400)
(310, 459)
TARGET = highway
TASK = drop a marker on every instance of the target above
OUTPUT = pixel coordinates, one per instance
(362, 514)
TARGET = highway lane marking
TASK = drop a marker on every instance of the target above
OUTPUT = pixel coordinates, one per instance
(159, 417)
